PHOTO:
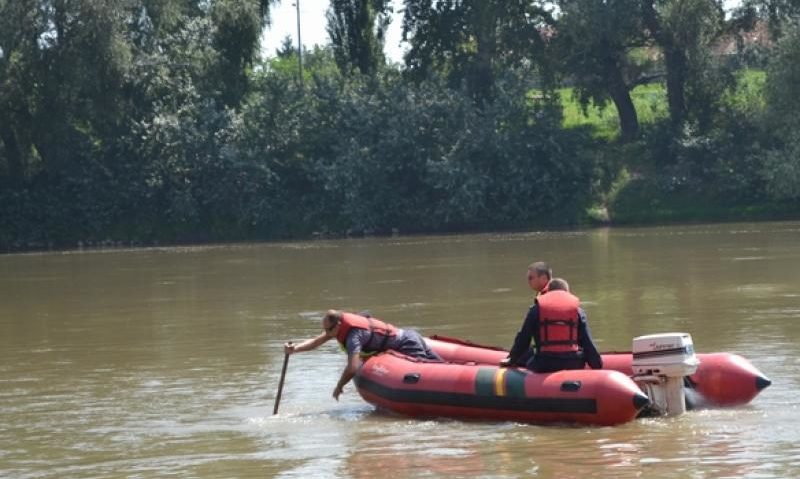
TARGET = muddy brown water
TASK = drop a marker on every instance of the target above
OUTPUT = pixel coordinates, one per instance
(165, 362)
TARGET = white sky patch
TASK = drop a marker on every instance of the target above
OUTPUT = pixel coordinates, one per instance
(313, 27)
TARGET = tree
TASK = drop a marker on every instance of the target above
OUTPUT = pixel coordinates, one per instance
(470, 40)
(67, 62)
(782, 161)
(357, 29)
(595, 41)
(238, 26)
(118, 108)
(686, 31)
(287, 48)
(20, 26)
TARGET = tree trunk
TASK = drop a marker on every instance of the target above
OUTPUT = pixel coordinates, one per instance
(676, 81)
(620, 94)
(675, 60)
(481, 78)
(362, 30)
(13, 154)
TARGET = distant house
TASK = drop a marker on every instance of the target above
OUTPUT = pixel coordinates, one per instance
(734, 44)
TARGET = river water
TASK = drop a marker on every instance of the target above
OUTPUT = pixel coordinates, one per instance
(165, 362)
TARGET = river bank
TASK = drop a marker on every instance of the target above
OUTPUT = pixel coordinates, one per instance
(659, 211)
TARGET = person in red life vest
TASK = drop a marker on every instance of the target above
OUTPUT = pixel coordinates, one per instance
(560, 332)
(362, 336)
(539, 275)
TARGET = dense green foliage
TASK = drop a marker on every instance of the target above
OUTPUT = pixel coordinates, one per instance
(357, 29)
(141, 121)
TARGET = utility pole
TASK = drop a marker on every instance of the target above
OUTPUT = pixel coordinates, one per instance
(299, 44)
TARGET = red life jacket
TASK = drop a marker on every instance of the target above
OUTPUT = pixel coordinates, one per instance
(558, 322)
(374, 326)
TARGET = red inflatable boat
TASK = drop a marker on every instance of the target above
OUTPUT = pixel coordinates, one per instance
(420, 388)
(721, 379)
(471, 385)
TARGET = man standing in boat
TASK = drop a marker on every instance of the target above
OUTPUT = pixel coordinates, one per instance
(360, 337)
(558, 327)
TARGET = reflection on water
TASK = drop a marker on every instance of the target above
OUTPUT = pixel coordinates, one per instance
(157, 362)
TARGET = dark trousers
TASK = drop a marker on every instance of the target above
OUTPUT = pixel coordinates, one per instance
(412, 344)
(547, 363)
(524, 359)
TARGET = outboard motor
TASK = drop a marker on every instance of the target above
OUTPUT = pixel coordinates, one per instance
(660, 362)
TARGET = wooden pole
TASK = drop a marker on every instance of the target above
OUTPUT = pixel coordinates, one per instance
(280, 384)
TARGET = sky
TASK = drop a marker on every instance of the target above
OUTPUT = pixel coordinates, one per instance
(312, 27)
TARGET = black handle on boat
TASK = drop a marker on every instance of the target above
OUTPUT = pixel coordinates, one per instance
(280, 384)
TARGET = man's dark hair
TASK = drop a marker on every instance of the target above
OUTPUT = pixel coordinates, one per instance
(334, 317)
(541, 268)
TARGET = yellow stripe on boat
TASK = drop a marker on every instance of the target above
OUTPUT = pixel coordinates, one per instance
(500, 382)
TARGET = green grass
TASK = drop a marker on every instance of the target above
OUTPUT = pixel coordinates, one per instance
(643, 204)
(651, 104)
(749, 91)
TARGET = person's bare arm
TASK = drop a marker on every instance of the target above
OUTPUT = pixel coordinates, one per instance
(353, 363)
(306, 345)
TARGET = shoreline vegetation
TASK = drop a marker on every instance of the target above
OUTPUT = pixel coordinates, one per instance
(630, 202)
(126, 125)
(762, 214)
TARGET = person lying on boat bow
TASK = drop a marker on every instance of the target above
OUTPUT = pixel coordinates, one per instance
(361, 337)
(560, 332)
